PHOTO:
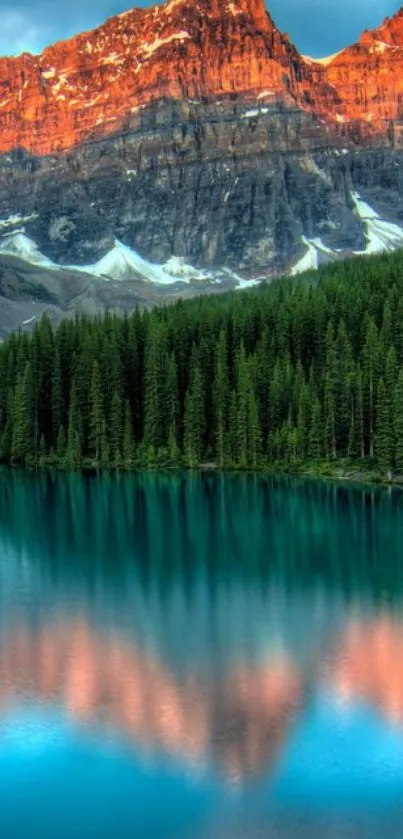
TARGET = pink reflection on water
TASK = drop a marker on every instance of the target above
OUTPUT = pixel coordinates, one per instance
(367, 664)
(239, 718)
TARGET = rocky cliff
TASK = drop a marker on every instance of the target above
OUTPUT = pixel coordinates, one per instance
(367, 80)
(98, 82)
(191, 143)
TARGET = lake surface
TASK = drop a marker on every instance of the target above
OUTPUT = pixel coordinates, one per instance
(193, 657)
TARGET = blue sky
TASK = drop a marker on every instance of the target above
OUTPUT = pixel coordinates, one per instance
(317, 27)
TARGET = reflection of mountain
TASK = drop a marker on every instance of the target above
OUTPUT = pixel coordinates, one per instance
(368, 665)
(240, 720)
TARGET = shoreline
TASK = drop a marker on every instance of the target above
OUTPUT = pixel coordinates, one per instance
(339, 471)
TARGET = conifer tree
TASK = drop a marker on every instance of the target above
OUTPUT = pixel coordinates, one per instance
(329, 399)
(128, 439)
(276, 396)
(22, 446)
(41, 387)
(357, 446)
(221, 400)
(104, 448)
(74, 437)
(96, 429)
(61, 443)
(194, 416)
(243, 399)
(82, 383)
(315, 431)
(155, 386)
(254, 431)
(57, 399)
(383, 443)
(264, 366)
(304, 412)
(232, 435)
(343, 370)
(398, 410)
(370, 371)
(329, 417)
(115, 431)
(42, 450)
(173, 410)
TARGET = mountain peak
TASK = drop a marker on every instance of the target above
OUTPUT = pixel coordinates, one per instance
(255, 9)
(389, 32)
(98, 82)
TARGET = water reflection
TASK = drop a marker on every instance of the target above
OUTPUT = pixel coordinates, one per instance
(228, 624)
(239, 718)
(368, 665)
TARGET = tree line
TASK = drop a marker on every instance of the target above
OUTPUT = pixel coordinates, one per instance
(309, 369)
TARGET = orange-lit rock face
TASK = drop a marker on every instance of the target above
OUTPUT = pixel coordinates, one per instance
(97, 82)
(367, 80)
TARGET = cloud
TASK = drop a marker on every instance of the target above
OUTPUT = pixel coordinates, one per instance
(317, 27)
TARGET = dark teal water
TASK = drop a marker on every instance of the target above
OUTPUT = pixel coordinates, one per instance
(194, 657)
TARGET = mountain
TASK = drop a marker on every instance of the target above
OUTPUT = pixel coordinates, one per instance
(368, 82)
(98, 82)
(192, 142)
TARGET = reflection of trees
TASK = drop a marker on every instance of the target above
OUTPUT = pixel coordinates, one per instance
(170, 528)
(240, 720)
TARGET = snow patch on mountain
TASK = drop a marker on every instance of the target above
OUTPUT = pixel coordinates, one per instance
(18, 244)
(149, 49)
(255, 112)
(13, 220)
(327, 59)
(381, 235)
(244, 284)
(310, 260)
(266, 93)
(312, 257)
(172, 4)
(233, 9)
(380, 47)
(49, 74)
(123, 263)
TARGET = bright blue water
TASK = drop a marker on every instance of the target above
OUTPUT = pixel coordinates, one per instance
(193, 657)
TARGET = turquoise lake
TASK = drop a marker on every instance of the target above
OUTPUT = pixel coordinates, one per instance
(199, 657)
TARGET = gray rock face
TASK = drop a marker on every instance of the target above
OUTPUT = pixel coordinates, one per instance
(229, 184)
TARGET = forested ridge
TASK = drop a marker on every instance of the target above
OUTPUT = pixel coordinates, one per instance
(304, 370)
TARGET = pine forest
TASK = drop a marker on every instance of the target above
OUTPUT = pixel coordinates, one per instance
(290, 374)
